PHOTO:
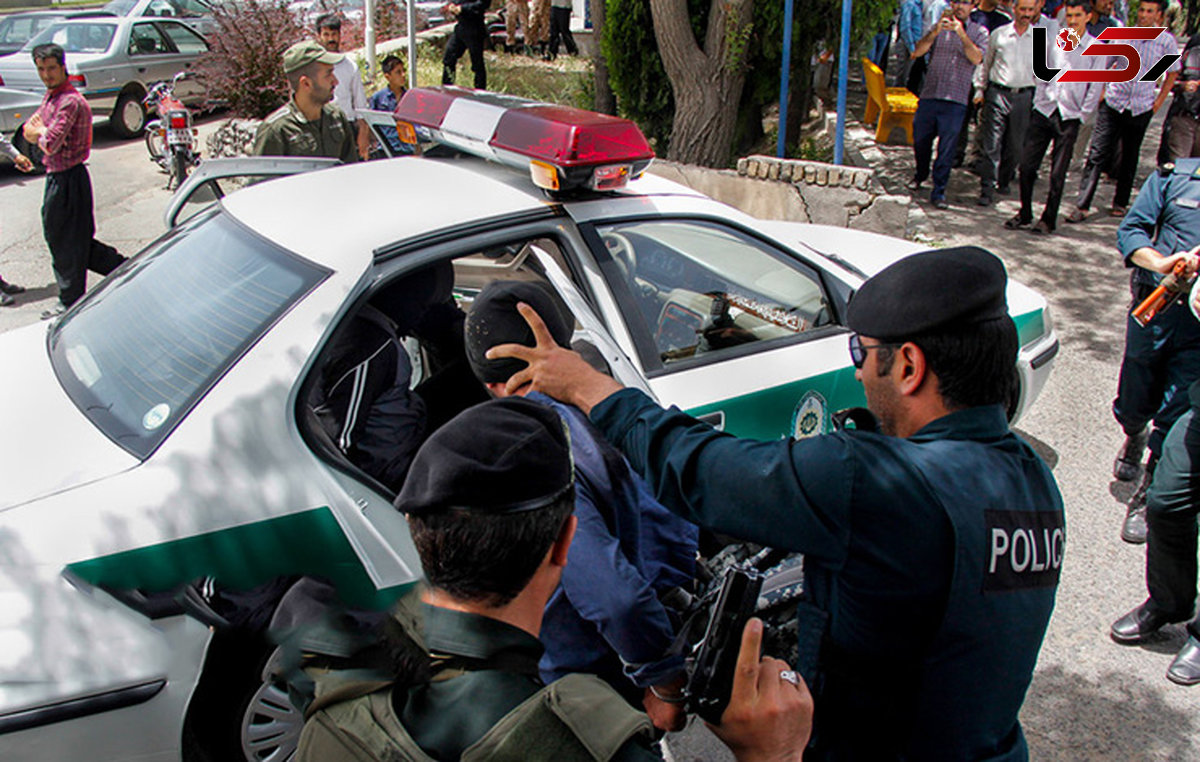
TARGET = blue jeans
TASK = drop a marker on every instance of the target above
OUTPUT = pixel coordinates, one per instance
(943, 120)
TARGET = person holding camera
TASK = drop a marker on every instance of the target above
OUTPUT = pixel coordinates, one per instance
(932, 546)
(490, 502)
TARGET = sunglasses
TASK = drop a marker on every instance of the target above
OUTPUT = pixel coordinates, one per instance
(858, 350)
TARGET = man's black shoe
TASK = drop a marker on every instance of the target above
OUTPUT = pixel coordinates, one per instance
(941, 203)
(1016, 222)
(1129, 458)
(914, 185)
(1003, 190)
(1138, 624)
(985, 200)
(1042, 228)
(6, 300)
(10, 288)
(1185, 670)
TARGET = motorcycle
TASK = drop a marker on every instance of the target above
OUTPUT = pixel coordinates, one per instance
(171, 139)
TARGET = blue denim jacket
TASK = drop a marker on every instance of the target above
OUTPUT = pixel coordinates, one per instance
(606, 618)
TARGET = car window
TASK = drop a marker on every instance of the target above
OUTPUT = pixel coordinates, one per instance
(163, 8)
(186, 41)
(76, 38)
(158, 333)
(192, 8)
(145, 39)
(21, 28)
(120, 7)
(702, 288)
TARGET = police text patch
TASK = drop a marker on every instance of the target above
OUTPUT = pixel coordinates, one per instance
(1025, 549)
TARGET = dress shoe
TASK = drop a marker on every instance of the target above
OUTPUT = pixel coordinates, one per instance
(1016, 222)
(914, 185)
(1117, 211)
(1079, 215)
(6, 300)
(1042, 228)
(1129, 458)
(940, 203)
(1185, 669)
(1003, 190)
(1138, 624)
(10, 288)
(985, 200)
(54, 311)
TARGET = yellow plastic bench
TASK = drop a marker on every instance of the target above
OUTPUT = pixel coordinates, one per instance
(892, 106)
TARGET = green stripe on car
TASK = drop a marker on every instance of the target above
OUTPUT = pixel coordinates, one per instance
(241, 557)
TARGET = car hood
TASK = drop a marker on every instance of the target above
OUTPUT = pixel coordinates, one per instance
(49, 445)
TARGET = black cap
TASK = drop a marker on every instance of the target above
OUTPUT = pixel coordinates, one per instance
(494, 320)
(503, 456)
(929, 291)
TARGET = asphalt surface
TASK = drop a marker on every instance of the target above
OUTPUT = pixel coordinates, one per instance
(1090, 699)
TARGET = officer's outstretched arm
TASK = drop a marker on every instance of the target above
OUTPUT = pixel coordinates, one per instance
(768, 717)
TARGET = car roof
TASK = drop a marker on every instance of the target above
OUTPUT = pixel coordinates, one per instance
(340, 216)
(64, 14)
(362, 208)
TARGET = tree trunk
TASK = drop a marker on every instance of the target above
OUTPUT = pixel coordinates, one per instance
(707, 82)
(605, 102)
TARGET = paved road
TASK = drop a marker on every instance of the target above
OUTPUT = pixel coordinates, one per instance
(130, 197)
(1090, 699)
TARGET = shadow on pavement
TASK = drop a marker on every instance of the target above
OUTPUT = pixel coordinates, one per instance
(1044, 451)
(1116, 717)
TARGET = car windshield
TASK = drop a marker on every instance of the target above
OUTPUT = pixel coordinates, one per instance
(18, 29)
(159, 332)
(76, 38)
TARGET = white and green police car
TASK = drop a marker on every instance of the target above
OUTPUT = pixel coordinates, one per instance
(162, 442)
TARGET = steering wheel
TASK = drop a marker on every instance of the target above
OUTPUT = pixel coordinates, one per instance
(621, 250)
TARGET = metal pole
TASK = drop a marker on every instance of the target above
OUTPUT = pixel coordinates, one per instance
(369, 35)
(784, 77)
(843, 75)
(412, 45)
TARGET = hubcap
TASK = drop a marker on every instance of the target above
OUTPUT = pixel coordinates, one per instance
(271, 726)
(132, 115)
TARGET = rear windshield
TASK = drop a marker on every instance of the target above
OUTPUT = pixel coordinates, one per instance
(158, 333)
(76, 37)
(18, 29)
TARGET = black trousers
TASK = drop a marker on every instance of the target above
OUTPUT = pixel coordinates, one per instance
(560, 26)
(1113, 128)
(1161, 361)
(1002, 128)
(1044, 130)
(69, 226)
(1173, 504)
(468, 37)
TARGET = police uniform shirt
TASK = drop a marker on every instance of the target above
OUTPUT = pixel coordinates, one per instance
(445, 717)
(1165, 216)
(931, 640)
(286, 132)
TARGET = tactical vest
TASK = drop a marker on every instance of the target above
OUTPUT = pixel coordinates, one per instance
(576, 718)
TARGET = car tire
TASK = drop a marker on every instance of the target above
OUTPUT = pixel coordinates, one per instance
(128, 118)
(227, 695)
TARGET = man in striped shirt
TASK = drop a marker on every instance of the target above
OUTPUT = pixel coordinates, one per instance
(62, 128)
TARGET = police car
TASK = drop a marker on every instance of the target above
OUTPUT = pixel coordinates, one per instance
(168, 449)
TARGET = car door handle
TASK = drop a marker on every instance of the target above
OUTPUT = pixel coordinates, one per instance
(715, 419)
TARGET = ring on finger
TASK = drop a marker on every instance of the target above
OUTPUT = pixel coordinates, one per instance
(790, 676)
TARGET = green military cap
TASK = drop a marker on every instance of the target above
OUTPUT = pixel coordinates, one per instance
(303, 53)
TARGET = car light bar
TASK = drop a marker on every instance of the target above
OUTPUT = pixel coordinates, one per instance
(563, 148)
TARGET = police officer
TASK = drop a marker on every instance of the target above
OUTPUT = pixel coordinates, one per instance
(490, 502)
(932, 547)
(469, 35)
(1162, 358)
(308, 124)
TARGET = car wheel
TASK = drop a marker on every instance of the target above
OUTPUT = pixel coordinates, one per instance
(129, 117)
(216, 727)
(270, 725)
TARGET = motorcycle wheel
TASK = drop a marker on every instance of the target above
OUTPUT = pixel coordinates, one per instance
(156, 144)
(181, 165)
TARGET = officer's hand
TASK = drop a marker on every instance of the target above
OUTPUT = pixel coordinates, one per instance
(666, 715)
(552, 370)
(768, 718)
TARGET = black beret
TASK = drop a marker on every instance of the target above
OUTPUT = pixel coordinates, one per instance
(494, 320)
(503, 456)
(928, 291)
